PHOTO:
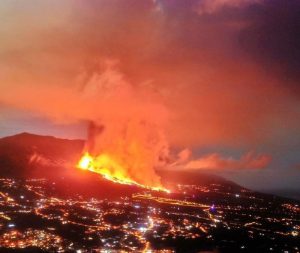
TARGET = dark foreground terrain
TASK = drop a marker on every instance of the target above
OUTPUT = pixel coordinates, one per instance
(67, 210)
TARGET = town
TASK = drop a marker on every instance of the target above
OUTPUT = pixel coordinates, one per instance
(33, 216)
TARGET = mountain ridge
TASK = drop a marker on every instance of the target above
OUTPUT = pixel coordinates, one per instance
(30, 155)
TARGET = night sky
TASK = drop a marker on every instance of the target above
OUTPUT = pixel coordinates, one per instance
(218, 78)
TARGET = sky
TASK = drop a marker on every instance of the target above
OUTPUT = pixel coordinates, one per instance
(215, 83)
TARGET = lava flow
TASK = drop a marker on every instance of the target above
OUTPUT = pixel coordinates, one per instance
(111, 170)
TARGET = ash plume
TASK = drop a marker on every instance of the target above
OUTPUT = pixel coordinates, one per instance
(155, 74)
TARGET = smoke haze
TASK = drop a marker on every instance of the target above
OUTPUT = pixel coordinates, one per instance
(157, 74)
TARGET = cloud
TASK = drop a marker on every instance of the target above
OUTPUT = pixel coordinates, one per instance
(273, 38)
(184, 155)
(212, 6)
(196, 76)
(216, 162)
(126, 121)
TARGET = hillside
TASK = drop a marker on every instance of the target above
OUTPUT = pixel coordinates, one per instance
(33, 156)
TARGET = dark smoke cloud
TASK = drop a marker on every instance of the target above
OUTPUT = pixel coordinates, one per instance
(273, 38)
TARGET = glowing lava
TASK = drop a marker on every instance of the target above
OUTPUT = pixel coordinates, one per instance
(111, 170)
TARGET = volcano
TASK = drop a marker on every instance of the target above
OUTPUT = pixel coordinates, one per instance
(43, 195)
(26, 156)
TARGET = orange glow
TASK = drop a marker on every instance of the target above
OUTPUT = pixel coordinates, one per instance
(104, 165)
(85, 162)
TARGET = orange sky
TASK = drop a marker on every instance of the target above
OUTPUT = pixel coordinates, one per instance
(206, 73)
